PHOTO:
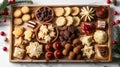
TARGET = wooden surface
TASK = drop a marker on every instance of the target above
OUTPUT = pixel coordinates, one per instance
(11, 59)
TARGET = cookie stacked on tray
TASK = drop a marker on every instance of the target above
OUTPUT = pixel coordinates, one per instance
(61, 33)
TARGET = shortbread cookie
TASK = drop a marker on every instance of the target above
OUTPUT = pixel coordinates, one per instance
(25, 9)
(17, 13)
(28, 34)
(60, 21)
(18, 21)
(67, 11)
(18, 31)
(34, 50)
(76, 21)
(26, 17)
(19, 42)
(75, 11)
(69, 20)
(19, 53)
(59, 11)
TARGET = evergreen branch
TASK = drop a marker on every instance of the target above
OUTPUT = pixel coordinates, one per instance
(22, 2)
(4, 5)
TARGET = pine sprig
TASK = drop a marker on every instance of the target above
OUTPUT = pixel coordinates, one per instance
(117, 31)
(116, 47)
(4, 5)
(19, 2)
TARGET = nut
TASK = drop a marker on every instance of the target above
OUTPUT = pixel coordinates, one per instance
(72, 54)
(78, 57)
(76, 41)
(76, 50)
(6, 39)
(67, 46)
(65, 52)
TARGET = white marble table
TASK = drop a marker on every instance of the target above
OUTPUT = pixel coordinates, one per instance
(4, 56)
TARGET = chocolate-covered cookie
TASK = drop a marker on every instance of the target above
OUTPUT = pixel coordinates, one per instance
(101, 12)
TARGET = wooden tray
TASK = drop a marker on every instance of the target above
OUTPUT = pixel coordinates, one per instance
(27, 59)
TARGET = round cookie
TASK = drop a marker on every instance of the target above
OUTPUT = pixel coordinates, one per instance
(67, 11)
(76, 20)
(60, 21)
(26, 17)
(100, 36)
(18, 21)
(59, 11)
(75, 11)
(17, 13)
(25, 9)
(69, 20)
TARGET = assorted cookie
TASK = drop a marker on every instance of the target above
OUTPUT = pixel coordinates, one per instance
(87, 13)
(63, 32)
(18, 31)
(46, 33)
(34, 50)
(19, 53)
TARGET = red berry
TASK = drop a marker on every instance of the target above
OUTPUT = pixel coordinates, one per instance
(2, 33)
(4, 20)
(11, 1)
(117, 21)
(48, 47)
(113, 23)
(115, 12)
(114, 42)
(108, 1)
(3, 11)
(5, 49)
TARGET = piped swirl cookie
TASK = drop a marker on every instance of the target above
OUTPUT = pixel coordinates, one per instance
(87, 13)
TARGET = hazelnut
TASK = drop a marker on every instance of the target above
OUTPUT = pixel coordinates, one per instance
(6, 39)
(72, 54)
(70, 58)
(76, 41)
(80, 47)
(32, 16)
(76, 50)
(78, 57)
(68, 46)
(65, 52)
